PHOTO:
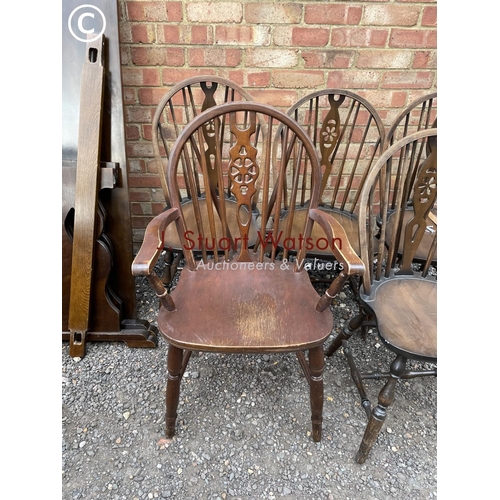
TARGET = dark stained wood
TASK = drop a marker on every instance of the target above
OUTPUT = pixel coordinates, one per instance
(112, 293)
(399, 293)
(348, 135)
(241, 298)
(404, 305)
(246, 308)
(181, 104)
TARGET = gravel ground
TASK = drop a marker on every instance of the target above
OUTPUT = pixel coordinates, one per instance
(243, 428)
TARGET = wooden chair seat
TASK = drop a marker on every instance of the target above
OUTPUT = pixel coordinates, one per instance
(240, 310)
(172, 239)
(427, 239)
(406, 312)
(348, 221)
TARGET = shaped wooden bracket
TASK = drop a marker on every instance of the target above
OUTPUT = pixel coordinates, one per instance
(86, 192)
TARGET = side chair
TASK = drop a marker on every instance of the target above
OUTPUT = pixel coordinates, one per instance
(399, 287)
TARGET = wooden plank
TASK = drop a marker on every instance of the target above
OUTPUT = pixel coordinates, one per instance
(86, 191)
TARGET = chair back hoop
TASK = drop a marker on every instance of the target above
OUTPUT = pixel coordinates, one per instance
(402, 224)
(241, 158)
(348, 135)
(411, 119)
(179, 106)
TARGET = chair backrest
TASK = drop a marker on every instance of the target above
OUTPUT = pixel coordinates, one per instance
(348, 135)
(418, 115)
(403, 226)
(243, 134)
(179, 106)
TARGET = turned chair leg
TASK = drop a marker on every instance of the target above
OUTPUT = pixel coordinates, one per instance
(174, 367)
(168, 258)
(346, 333)
(316, 365)
(379, 413)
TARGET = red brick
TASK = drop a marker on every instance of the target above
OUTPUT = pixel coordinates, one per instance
(275, 97)
(275, 13)
(152, 168)
(124, 55)
(429, 16)
(413, 38)
(129, 96)
(132, 133)
(236, 76)
(156, 56)
(426, 59)
(332, 14)
(214, 12)
(147, 129)
(136, 166)
(359, 37)
(354, 79)
(142, 181)
(298, 79)
(138, 114)
(399, 99)
(125, 32)
(201, 34)
(157, 208)
(310, 37)
(141, 222)
(139, 149)
(151, 96)
(173, 76)
(188, 35)
(330, 59)
(407, 79)
(384, 59)
(139, 195)
(234, 35)
(141, 209)
(271, 58)
(262, 79)
(143, 33)
(390, 15)
(154, 11)
(140, 76)
(214, 57)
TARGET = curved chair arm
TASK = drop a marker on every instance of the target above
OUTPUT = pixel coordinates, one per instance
(334, 231)
(152, 246)
(352, 264)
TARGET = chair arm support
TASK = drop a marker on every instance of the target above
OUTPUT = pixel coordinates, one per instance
(352, 264)
(152, 246)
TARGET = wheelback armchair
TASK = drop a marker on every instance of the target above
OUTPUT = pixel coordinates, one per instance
(399, 287)
(238, 299)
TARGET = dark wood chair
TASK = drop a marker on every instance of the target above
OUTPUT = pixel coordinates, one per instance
(420, 114)
(348, 135)
(179, 106)
(399, 288)
(241, 299)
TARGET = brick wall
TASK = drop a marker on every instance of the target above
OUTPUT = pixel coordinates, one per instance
(384, 50)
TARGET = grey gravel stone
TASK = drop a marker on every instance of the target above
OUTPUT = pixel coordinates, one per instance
(238, 413)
